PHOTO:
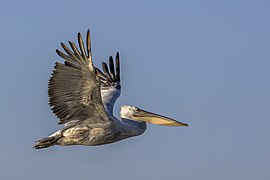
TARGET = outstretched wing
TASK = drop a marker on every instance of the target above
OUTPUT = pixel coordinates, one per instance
(110, 83)
(74, 88)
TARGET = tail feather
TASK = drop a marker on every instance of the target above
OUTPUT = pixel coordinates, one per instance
(46, 142)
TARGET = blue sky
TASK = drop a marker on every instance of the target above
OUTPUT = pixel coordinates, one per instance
(205, 63)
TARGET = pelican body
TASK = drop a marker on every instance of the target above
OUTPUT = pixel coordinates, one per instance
(82, 97)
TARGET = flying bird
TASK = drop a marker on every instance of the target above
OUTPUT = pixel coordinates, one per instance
(82, 97)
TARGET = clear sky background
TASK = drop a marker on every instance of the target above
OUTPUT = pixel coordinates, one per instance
(206, 63)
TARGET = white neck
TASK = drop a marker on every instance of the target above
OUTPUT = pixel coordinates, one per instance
(135, 127)
(109, 97)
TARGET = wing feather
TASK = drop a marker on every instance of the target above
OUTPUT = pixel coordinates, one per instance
(111, 65)
(110, 83)
(80, 40)
(117, 62)
(74, 87)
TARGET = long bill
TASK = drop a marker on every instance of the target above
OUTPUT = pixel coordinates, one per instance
(156, 119)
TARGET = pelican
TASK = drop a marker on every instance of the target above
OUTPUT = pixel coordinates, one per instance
(82, 97)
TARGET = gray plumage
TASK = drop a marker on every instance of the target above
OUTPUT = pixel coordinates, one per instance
(82, 98)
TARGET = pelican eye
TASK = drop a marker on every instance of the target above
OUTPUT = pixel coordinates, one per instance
(137, 109)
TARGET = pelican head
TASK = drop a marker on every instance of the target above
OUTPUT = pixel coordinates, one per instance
(137, 114)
